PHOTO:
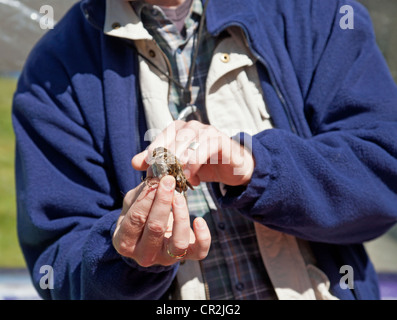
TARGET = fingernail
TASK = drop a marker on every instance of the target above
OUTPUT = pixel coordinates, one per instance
(168, 182)
(200, 223)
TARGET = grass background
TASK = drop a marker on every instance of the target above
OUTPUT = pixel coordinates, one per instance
(10, 253)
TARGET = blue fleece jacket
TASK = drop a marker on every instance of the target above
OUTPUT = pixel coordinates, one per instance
(327, 173)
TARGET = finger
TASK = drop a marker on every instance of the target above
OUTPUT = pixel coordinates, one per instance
(193, 180)
(189, 133)
(167, 137)
(131, 225)
(213, 150)
(139, 161)
(199, 249)
(151, 243)
(179, 241)
(131, 196)
(220, 159)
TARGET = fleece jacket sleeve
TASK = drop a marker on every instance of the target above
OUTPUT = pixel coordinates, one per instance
(66, 212)
(340, 184)
(67, 195)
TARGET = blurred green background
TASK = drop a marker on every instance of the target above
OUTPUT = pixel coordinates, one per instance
(19, 33)
(10, 255)
(20, 30)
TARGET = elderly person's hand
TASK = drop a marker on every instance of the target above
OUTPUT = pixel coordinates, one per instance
(207, 154)
(148, 232)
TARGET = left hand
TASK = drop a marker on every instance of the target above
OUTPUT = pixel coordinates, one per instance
(217, 158)
(149, 232)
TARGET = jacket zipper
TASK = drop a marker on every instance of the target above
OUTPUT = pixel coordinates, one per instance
(269, 71)
(277, 89)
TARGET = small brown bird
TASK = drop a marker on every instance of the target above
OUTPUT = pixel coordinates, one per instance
(164, 162)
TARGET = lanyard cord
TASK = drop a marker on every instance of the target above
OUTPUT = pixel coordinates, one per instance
(186, 90)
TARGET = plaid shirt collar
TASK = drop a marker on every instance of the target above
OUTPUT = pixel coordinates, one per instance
(158, 14)
(178, 48)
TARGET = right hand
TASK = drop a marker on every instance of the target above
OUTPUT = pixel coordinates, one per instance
(147, 228)
(218, 158)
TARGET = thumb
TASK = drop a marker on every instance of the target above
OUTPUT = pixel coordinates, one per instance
(139, 161)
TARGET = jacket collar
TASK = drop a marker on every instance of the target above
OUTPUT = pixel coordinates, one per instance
(122, 21)
(218, 17)
(94, 11)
